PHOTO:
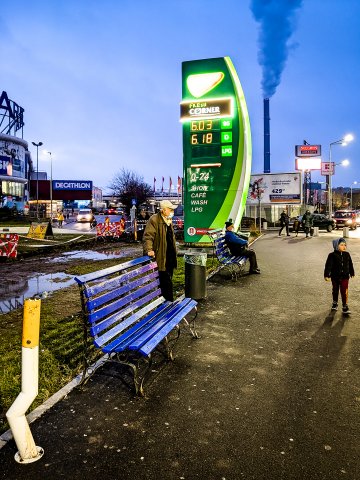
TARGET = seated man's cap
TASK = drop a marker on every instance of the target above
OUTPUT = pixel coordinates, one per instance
(228, 224)
(167, 204)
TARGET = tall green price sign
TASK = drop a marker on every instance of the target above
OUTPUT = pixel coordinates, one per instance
(216, 145)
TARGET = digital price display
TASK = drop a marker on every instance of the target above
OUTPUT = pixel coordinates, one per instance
(216, 146)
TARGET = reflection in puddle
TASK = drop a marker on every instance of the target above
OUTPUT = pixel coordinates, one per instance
(89, 255)
(12, 295)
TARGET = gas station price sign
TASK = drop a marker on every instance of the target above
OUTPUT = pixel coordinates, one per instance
(216, 146)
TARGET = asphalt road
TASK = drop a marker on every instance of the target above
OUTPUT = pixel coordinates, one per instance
(270, 391)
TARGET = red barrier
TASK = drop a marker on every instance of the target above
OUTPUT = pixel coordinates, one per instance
(8, 245)
(110, 229)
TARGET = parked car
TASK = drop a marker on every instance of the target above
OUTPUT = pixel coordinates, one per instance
(111, 211)
(357, 213)
(320, 220)
(345, 218)
(85, 215)
(247, 222)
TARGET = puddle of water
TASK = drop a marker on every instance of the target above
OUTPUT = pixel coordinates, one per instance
(89, 255)
(12, 295)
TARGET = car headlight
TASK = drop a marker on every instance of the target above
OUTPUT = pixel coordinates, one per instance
(349, 221)
(88, 217)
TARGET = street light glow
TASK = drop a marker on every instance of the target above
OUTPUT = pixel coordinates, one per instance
(349, 137)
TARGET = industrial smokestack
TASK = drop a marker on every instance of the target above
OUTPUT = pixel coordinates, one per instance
(266, 135)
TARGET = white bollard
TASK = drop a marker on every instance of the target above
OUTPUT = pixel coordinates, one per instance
(316, 232)
(346, 232)
(28, 451)
(264, 225)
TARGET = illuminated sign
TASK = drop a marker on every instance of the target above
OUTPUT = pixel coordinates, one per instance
(327, 168)
(201, 83)
(216, 146)
(307, 150)
(218, 108)
(308, 163)
(72, 185)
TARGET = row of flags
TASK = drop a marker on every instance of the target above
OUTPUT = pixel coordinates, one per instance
(179, 183)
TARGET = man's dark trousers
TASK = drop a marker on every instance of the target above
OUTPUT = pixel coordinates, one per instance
(239, 251)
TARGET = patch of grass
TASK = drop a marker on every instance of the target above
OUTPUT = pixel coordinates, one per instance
(61, 339)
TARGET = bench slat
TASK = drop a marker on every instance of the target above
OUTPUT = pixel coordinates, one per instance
(82, 279)
(114, 282)
(166, 316)
(123, 302)
(120, 291)
(104, 326)
(148, 347)
(121, 343)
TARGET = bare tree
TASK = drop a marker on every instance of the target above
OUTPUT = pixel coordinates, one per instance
(128, 186)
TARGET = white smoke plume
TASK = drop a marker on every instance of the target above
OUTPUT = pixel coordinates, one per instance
(277, 19)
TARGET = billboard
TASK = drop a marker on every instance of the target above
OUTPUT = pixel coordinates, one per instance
(216, 146)
(275, 188)
(12, 159)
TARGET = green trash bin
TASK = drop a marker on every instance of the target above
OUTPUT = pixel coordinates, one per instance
(195, 275)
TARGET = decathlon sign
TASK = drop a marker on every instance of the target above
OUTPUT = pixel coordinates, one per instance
(72, 185)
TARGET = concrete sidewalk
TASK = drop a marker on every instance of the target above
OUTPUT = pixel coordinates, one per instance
(270, 391)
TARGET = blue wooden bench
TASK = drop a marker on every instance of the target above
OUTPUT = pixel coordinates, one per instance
(127, 318)
(236, 265)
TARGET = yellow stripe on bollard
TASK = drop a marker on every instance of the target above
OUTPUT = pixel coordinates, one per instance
(31, 323)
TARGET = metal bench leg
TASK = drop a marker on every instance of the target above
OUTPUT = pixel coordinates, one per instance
(191, 324)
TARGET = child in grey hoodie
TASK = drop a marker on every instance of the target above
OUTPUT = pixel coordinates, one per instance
(339, 268)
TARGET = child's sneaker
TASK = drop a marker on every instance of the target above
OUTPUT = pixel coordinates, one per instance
(334, 306)
(346, 309)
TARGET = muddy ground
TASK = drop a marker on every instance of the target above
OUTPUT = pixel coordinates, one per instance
(18, 270)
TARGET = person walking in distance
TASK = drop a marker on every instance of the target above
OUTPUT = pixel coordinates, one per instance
(296, 226)
(159, 242)
(284, 222)
(307, 222)
(60, 218)
(339, 268)
(238, 246)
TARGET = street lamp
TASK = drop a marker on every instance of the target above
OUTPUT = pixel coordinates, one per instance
(351, 197)
(37, 145)
(343, 141)
(51, 191)
(344, 163)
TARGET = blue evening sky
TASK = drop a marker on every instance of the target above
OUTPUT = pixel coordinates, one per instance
(100, 81)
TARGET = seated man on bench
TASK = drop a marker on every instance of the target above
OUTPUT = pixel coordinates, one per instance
(238, 246)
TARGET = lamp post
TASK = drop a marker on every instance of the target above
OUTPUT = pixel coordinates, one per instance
(343, 141)
(37, 145)
(344, 163)
(51, 191)
(351, 195)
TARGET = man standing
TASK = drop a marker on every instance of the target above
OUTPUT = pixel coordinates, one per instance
(159, 242)
(238, 247)
(308, 221)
